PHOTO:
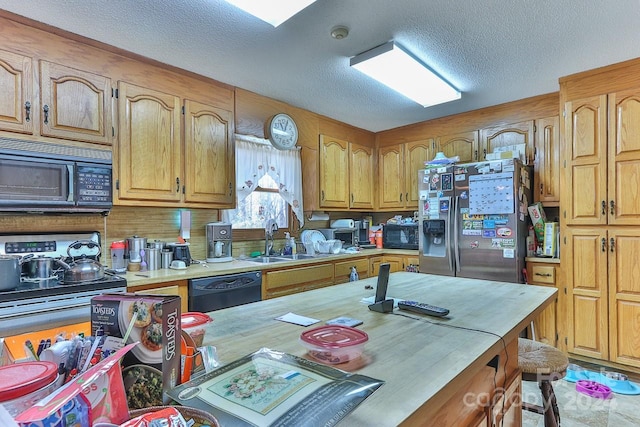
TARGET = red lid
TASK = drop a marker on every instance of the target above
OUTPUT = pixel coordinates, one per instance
(334, 336)
(191, 319)
(117, 245)
(20, 379)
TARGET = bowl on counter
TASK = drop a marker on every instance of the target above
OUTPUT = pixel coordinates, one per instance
(333, 344)
(331, 246)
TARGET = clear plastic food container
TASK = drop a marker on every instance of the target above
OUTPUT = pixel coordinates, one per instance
(24, 384)
(334, 344)
(195, 324)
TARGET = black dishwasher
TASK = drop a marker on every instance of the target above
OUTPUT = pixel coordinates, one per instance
(213, 293)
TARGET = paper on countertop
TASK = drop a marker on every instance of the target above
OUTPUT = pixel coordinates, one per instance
(372, 298)
(297, 319)
(6, 419)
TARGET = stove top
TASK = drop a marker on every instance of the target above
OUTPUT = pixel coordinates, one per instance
(59, 246)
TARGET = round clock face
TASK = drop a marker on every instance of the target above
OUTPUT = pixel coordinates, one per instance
(282, 132)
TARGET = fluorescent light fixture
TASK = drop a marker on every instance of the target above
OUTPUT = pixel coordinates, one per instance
(274, 12)
(395, 67)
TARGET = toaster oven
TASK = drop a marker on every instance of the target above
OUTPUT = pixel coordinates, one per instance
(349, 236)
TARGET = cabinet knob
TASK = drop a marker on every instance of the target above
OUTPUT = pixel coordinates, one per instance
(27, 111)
(541, 188)
(177, 184)
(400, 196)
(604, 207)
(604, 244)
(612, 207)
(612, 244)
(45, 109)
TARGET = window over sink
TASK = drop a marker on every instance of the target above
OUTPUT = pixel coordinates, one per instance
(269, 186)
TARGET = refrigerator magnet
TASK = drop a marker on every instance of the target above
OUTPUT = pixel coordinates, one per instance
(508, 253)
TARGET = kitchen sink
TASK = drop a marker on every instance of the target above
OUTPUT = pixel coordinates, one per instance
(282, 258)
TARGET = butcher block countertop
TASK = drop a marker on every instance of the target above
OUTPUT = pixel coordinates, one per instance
(428, 363)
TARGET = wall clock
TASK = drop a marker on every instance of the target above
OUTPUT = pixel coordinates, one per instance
(282, 131)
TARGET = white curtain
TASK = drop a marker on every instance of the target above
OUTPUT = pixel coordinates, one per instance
(255, 157)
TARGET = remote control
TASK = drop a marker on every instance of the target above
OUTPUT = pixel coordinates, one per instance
(422, 308)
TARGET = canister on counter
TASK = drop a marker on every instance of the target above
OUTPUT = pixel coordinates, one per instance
(166, 256)
(153, 258)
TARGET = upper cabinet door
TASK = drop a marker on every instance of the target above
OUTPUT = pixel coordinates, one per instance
(334, 172)
(547, 161)
(415, 154)
(150, 159)
(16, 93)
(361, 176)
(391, 177)
(75, 104)
(464, 145)
(585, 161)
(624, 158)
(209, 154)
(502, 136)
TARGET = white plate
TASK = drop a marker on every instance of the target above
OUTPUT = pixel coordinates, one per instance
(140, 351)
(314, 236)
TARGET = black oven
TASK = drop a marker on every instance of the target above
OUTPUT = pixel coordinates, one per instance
(400, 236)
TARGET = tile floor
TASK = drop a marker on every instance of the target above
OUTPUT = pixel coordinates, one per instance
(579, 410)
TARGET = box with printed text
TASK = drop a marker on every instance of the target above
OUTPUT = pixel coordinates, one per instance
(153, 366)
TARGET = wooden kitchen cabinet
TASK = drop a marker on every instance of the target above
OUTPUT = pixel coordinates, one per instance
(75, 104)
(504, 135)
(150, 149)
(209, 155)
(361, 176)
(603, 294)
(334, 172)
(465, 145)
(176, 287)
(398, 167)
(602, 161)
(342, 270)
(16, 92)
(276, 283)
(546, 164)
(346, 174)
(545, 326)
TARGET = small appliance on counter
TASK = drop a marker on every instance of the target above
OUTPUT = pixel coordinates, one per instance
(181, 252)
(362, 228)
(218, 242)
(400, 236)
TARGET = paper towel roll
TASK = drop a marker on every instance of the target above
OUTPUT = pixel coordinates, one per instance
(343, 223)
(319, 216)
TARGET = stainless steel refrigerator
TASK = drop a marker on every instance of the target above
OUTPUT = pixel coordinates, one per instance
(474, 220)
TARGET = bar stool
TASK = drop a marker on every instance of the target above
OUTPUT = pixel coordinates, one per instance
(542, 363)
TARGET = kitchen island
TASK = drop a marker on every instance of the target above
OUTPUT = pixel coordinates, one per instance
(437, 371)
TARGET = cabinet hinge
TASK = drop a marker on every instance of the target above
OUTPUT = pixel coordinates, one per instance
(566, 341)
(113, 131)
(117, 184)
(183, 110)
(535, 128)
(565, 291)
(183, 189)
(114, 93)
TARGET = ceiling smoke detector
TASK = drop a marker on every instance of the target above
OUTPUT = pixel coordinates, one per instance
(339, 32)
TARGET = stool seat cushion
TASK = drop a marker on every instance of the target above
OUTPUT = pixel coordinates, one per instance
(538, 358)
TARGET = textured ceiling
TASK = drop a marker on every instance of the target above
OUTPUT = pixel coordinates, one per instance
(493, 51)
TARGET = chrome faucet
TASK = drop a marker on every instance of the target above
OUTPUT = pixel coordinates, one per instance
(270, 227)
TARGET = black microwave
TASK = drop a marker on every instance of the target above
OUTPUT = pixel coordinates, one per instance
(400, 236)
(50, 178)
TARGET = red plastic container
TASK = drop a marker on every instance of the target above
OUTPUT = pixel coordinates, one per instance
(195, 323)
(24, 384)
(334, 344)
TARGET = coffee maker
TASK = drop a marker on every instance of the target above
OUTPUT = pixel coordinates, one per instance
(362, 228)
(218, 242)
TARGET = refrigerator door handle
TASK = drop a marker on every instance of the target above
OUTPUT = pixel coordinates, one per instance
(450, 215)
(456, 246)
